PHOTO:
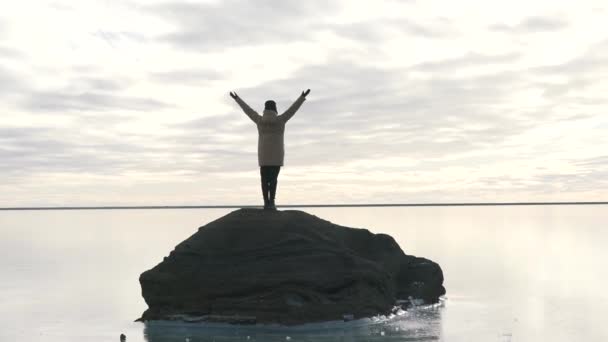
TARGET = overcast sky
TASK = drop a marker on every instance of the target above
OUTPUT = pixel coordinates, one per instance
(119, 102)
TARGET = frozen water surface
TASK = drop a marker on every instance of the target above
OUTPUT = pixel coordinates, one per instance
(512, 274)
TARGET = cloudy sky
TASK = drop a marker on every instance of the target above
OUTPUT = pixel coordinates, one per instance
(119, 102)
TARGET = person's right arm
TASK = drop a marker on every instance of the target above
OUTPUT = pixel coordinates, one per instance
(252, 114)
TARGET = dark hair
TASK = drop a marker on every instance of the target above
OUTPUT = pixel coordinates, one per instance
(270, 105)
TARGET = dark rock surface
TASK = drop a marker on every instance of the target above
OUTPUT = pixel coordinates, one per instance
(286, 267)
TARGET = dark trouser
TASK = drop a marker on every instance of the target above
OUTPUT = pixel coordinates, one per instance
(269, 182)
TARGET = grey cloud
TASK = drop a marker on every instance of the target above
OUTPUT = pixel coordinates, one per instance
(6, 81)
(376, 30)
(187, 76)
(98, 84)
(422, 30)
(583, 180)
(594, 163)
(24, 149)
(83, 92)
(27, 151)
(542, 24)
(30, 151)
(563, 88)
(80, 93)
(86, 69)
(10, 53)
(94, 101)
(532, 24)
(467, 60)
(215, 123)
(587, 64)
(114, 37)
(590, 62)
(578, 117)
(504, 181)
(581, 72)
(214, 143)
(590, 175)
(232, 23)
(361, 31)
(9, 83)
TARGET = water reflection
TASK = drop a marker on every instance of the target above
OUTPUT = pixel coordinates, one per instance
(420, 324)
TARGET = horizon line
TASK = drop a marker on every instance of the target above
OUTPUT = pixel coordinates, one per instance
(352, 205)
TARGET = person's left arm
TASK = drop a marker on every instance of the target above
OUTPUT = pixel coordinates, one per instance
(294, 107)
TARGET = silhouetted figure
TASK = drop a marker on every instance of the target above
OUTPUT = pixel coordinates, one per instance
(271, 147)
(123, 338)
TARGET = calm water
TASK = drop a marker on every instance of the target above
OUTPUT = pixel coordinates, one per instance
(512, 274)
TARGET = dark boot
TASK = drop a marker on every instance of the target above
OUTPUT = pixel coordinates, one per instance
(267, 204)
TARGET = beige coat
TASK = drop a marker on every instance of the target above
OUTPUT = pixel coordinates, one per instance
(271, 129)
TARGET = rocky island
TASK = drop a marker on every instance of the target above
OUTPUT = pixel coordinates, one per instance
(285, 267)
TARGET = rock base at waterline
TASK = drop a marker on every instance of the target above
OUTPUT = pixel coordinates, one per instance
(285, 267)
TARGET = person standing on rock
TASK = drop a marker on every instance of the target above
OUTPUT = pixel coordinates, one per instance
(271, 147)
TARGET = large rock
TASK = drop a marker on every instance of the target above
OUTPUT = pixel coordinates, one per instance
(286, 267)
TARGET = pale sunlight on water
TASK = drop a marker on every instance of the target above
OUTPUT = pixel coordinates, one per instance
(512, 274)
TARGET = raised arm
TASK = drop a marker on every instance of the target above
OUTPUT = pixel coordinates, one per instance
(252, 114)
(294, 107)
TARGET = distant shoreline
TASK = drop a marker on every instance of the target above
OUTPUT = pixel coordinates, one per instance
(471, 204)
